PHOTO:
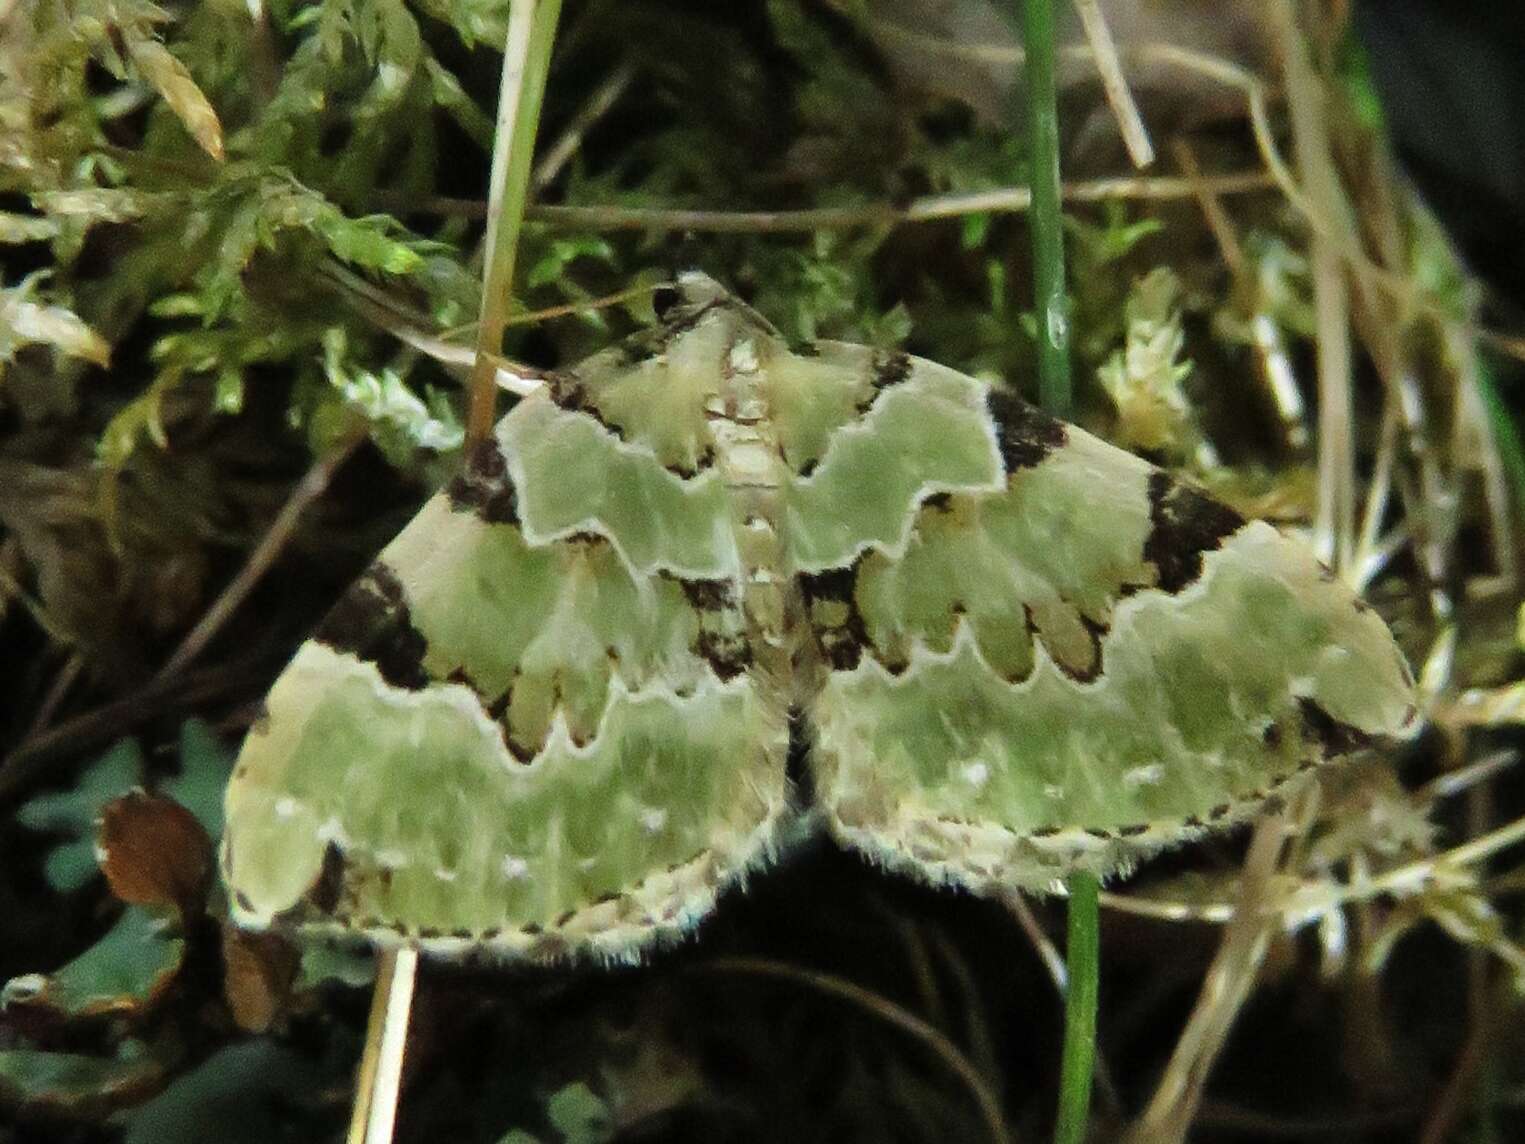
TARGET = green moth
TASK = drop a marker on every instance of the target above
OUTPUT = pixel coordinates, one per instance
(556, 715)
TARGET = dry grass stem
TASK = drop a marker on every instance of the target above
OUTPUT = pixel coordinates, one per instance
(1334, 524)
(379, 1084)
(1378, 490)
(526, 64)
(1450, 1107)
(313, 485)
(1452, 783)
(1270, 347)
(930, 208)
(1479, 443)
(58, 691)
(599, 104)
(387, 312)
(1129, 122)
(1228, 983)
(1048, 952)
(1218, 222)
(934, 1039)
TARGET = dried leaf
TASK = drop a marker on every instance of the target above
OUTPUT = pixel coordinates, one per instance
(258, 969)
(24, 322)
(155, 853)
(173, 81)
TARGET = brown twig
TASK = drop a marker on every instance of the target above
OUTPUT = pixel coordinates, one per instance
(1349, 1125)
(1450, 1106)
(57, 692)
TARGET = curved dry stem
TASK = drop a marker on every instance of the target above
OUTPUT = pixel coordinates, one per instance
(934, 1039)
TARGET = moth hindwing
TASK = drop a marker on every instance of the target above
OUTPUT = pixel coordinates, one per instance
(553, 716)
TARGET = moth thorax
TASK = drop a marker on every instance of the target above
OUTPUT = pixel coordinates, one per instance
(751, 466)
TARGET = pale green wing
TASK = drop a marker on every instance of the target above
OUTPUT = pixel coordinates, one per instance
(554, 715)
(532, 724)
(1064, 659)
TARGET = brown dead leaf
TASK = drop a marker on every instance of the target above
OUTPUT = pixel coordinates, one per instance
(258, 969)
(154, 852)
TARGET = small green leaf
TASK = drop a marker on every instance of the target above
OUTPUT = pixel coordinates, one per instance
(561, 253)
(1114, 239)
(205, 764)
(73, 813)
(363, 242)
(122, 973)
(325, 963)
(976, 228)
(451, 98)
(72, 1083)
(578, 1113)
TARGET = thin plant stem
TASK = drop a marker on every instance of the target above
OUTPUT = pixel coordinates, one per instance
(1049, 304)
(264, 555)
(927, 209)
(604, 98)
(526, 64)
(386, 1037)
(1047, 229)
(193, 690)
(1506, 433)
(1078, 1064)
(1334, 524)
